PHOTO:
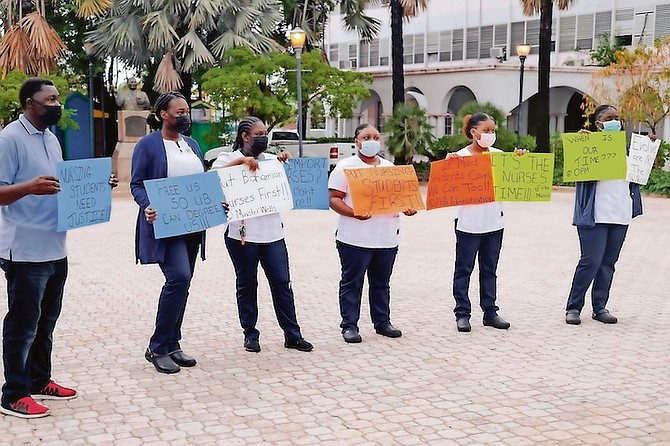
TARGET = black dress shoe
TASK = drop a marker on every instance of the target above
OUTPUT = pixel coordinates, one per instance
(605, 317)
(572, 317)
(351, 336)
(163, 363)
(463, 324)
(182, 359)
(299, 344)
(252, 345)
(389, 331)
(497, 322)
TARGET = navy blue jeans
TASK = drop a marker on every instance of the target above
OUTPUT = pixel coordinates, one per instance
(356, 262)
(273, 257)
(600, 247)
(486, 247)
(178, 268)
(35, 297)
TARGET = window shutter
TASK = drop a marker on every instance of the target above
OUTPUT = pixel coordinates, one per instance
(472, 44)
(486, 42)
(568, 33)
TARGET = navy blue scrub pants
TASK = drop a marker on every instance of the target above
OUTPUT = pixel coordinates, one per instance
(273, 257)
(178, 268)
(486, 247)
(35, 297)
(356, 262)
(600, 247)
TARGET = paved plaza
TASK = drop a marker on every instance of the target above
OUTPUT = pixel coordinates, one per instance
(542, 382)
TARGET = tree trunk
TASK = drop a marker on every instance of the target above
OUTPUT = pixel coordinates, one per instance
(397, 53)
(542, 133)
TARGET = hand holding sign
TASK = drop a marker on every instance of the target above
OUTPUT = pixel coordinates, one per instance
(384, 190)
(594, 156)
(460, 180)
(522, 178)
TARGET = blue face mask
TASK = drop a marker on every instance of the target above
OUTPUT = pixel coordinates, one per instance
(612, 126)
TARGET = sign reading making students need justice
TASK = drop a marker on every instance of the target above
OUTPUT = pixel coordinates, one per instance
(253, 194)
(85, 197)
(384, 190)
(460, 181)
(641, 156)
(594, 156)
(186, 204)
(308, 179)
(528, 177)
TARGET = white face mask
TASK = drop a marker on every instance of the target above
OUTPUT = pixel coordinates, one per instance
(486, 140)
(370, 148)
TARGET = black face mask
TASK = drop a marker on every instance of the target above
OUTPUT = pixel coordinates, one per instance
(259, 145)
(52, 114)
(182, 123)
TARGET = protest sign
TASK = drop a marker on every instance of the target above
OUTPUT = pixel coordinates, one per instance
(85, 197)
(384, 190)
(252, 194)
(186, 204)
(308, 179)
(460, 181)
(594, 156)
(641, 156)
(527, 177)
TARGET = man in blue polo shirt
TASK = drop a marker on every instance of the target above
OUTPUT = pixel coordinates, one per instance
(32, 253)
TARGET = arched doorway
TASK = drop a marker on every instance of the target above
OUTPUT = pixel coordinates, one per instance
(454, 100)
(372, 111)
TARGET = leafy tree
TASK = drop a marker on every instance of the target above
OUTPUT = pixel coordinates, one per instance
(409, 133)
(546, 10)
(251, 84)
(605, 53)
(637, 83)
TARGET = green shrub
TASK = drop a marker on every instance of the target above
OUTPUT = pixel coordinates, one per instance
(659, 183)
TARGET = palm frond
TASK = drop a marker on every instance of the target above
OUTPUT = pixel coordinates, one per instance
(193, 51)
(167, 78)
(14, 51)
(92, 8)
(161, 34)
(532, 7)
(411, 8)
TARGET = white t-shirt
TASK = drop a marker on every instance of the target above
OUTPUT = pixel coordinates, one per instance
(263, 229)
(613, 203)
(479, 218)
(379, 231)
(181, 160)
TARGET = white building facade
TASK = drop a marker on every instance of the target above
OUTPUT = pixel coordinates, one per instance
(462, 50)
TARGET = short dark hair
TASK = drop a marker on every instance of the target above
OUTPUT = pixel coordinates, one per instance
(597, 113)
(244, 127)
(31, 86)
(360, 128)
(162, 103)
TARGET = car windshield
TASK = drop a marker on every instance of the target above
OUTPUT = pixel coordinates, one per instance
(284, 136)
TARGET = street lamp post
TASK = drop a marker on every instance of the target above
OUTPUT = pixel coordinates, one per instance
(90, 52)
(522, 50)
(297, 37)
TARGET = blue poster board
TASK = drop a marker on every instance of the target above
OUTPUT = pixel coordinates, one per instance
(186, 204)
(85, 197)
(308, 179)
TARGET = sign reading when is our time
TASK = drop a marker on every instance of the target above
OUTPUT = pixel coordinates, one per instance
(594, 156)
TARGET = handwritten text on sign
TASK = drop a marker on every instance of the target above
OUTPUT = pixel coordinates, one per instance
(308, 178)
(384, 190)
(252, 194)
(641, 158)
(186, 204)
(594, 156)
(522, 178)
(460, 181)
(86, 196)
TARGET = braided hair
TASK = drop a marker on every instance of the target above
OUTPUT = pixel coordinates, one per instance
(244, 127)
(597, 113)
(162, 103)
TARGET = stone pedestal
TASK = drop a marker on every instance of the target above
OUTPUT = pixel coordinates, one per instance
(132, 127)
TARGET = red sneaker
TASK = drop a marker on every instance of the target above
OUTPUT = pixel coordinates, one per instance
(25, 407)
(53, 391)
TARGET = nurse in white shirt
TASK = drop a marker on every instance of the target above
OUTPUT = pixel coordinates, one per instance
(365, 243)
(260, 240)
(479, 233)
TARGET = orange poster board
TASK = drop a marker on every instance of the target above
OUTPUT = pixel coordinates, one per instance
(460, 181)
(384, 190)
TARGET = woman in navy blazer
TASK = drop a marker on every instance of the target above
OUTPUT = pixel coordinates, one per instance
(162, 154)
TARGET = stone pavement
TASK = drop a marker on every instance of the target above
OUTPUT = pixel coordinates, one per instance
(539, 383)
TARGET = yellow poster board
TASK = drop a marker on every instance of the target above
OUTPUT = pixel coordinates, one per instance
(527, 177)
(384, 190)
(594, 156)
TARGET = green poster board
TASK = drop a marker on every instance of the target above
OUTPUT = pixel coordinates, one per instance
(594, 156)
(527, 177)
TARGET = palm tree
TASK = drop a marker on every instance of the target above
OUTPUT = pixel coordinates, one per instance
(400, 10)
(183, 35)
(409, 133)
(545, 8)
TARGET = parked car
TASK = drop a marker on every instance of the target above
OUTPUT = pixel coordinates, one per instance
(282, 139)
